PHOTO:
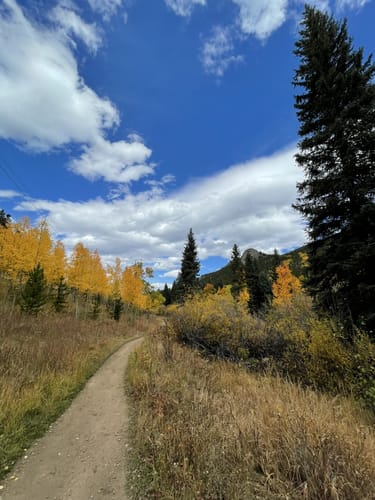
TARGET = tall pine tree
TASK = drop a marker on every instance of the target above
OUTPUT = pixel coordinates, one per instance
(336, 110)
(187, 280)
(238, 281)
(258, 285)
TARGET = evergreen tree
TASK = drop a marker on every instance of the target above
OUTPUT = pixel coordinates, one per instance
(117, 308)
(187, 281)
(258, 285)
(238, 275)
(276, 261)
(62, 291)
(167, 294)
(34, 294)
(336, 110)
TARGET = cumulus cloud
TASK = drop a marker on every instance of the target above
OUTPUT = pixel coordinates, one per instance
(261, 17)
(120, 162)
(249, 204)
(45, 102)
(217, 53)
(183, 8)
(72, 24)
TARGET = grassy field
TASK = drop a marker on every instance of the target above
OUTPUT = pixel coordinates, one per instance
(44, 362)
(210, 430)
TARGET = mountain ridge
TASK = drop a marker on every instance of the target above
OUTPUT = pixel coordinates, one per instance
(266, 263)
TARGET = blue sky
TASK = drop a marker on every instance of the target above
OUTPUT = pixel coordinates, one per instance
(126, 122)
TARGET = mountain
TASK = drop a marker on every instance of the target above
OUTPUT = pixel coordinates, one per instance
(266, 264)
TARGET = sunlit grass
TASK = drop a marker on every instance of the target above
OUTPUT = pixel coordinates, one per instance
(210, 430)
(44, 362)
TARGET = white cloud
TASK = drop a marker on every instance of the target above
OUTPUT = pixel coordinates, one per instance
(184, 7)
(249, 204)
(8, 193)
(119, 162)
(107, 8)
(171, 274)
(217, 52)
(261, 17)
(45, 103)
(72, 24)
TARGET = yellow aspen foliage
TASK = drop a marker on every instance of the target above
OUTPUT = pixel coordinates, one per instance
(286, 285)
(44, 244)
(19, 245)
(133, 286)
(79, 268)
(86, 272)
(58, 263)
(7, 249)
(98, 282)
(243, 296)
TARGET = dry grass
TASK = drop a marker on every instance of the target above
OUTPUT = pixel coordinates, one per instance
(292, 338)
(44, 362)
(210, 430)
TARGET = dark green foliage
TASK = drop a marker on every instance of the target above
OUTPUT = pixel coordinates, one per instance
(258, 285)
(187, 280)
(237, 269)
(4, 218)
(275, 262)
(167, 294)
(218, 278)
(34, 294)
(175, 292)
(115, 307)
(336, 110)
(59, 301)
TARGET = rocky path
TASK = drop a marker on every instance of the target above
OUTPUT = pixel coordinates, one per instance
(83, 456)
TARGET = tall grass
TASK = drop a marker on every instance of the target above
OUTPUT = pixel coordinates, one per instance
(210, 430)
(44, 362)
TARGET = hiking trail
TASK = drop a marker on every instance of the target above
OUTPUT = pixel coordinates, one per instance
(83, 455)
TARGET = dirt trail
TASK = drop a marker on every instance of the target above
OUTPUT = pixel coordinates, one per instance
(83, 455)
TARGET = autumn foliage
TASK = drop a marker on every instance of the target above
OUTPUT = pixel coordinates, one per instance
(290, 339)
(23, 247)
(286, 285)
